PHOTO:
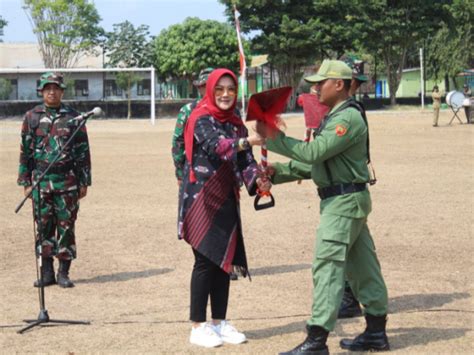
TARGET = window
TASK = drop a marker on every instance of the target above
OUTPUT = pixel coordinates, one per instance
(111, 88)
(81, 88)
(14, 91)
(143, 87)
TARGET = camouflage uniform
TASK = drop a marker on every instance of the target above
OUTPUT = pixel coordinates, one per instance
(177, 144)
(177, 149)
(43, 134)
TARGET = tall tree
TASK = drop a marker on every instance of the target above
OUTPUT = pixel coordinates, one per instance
(65, 29)
(450, 50)
(387, 29)
(182, 50)
(294, 33)
(128, 47)
(3, 23)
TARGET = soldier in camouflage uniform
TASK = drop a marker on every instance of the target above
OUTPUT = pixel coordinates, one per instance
(177, 149)
(45, 130)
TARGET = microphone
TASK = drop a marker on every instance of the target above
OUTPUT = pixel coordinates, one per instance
(94, 112)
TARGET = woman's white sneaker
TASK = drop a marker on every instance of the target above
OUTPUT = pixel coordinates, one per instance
(229, 334)
(205, 335)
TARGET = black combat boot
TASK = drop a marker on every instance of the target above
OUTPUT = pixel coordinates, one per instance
(373, 338)
(350, 305)
(314, 344)
(63, 274)
(48, 273)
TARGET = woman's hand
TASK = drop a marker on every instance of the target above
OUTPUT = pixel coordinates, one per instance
(255, 139)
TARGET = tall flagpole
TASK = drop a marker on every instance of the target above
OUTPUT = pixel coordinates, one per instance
(243, 65)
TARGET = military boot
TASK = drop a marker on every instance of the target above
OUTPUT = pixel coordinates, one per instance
(314, 344)
(47, 269)
(350, 305)
(63, 274)
(373, 338)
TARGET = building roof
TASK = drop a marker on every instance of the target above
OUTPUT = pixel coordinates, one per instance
(27, 55)
(259, 60)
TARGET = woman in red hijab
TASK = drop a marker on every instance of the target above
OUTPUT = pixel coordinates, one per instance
(219, 161)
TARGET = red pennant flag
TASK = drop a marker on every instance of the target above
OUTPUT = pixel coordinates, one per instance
(265, 106)
(314, 111)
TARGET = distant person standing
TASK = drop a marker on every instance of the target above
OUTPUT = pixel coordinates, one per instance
(44, 132)
(436, 96)
(467, 107)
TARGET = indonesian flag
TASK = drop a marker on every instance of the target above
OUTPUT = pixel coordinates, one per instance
(243, 65)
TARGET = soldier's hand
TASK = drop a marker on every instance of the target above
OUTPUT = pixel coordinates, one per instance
(27, 191)
(82, 192)
(264, 185)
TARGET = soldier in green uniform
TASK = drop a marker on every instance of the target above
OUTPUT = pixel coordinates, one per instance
(177, 144)
(45, 130)
(350, 306)
(336, 160)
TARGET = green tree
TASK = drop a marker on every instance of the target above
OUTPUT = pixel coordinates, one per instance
(389, 29)
(128, 47)
(3, 23)
(294, 33)
(65, 29)
(182, 50)
(5, 89)
(451, 49)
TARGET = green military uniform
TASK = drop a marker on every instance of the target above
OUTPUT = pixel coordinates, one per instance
(336, 160)
(177, 144)
(59, 202)
(44, 133)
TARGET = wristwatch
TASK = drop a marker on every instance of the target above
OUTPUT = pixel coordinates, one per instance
(244, 144)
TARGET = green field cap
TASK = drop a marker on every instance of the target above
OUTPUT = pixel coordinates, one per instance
(331, 69)
(203, 75)
(51, 78)
(357, 67)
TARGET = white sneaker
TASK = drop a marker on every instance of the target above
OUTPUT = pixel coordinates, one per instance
(229, 334)
(205, 335)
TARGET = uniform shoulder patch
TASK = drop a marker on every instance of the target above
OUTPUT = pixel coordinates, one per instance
(341, 130)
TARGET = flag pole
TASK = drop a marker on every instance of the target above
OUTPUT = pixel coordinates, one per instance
(243, 65)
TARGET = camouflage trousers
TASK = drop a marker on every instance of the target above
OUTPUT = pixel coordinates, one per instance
(58, 213)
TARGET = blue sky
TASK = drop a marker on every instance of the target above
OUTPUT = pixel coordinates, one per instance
(158, 14)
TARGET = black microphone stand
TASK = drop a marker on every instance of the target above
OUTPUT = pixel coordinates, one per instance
(43, 316)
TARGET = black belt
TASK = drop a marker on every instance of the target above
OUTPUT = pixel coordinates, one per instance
(342, 189)
(55, 169)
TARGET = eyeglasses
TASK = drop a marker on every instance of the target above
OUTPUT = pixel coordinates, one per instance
(220, 90)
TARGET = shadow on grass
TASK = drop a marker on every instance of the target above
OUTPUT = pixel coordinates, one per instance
(124, 276)
(278, 269)
(420, 302)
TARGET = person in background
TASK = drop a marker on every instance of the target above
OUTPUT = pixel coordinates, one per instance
(436, 96)
(467, 107)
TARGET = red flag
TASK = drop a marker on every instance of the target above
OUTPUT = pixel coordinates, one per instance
(267, 105)
(314, 111)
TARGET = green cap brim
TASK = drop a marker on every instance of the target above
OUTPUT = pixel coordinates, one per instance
(361, 77)
(315, 78)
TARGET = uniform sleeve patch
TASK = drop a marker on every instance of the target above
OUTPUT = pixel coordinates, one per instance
(340, 130)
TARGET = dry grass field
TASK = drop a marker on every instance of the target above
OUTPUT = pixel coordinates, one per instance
(132, 274)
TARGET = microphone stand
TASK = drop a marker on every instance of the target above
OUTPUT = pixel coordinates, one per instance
(43, 316)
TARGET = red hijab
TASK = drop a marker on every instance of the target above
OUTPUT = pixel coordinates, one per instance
(207, 107)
